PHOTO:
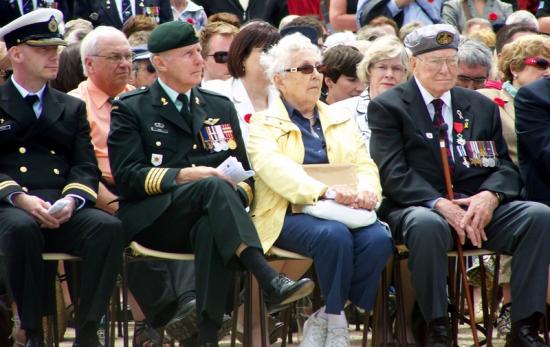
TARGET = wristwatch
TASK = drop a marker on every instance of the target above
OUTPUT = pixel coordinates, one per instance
(499, 196)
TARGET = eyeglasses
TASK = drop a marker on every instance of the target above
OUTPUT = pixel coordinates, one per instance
(117, 58)
(477, 81)
(437, 63)
(539, 63)
(220, 57)
(307, 69)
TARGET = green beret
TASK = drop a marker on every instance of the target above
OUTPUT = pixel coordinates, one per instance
(171, 35)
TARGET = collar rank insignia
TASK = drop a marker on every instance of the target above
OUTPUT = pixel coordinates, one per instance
(211, 121)
(197, 101)
(163, 101)
(2, 120)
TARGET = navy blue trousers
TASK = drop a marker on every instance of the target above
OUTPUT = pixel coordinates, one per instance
(348, 262)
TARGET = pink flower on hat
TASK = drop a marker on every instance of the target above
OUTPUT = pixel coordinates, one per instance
(492, 16)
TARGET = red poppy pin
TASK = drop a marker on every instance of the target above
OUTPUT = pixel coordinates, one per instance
(247, 117)
(492, 16)
(499, 102)
(190, 21)
(493, 84)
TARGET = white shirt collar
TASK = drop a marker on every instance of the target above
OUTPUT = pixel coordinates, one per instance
(25, 92)
(428, 98)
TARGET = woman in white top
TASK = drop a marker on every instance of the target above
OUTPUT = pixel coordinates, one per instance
(248, 88)
(384, 65)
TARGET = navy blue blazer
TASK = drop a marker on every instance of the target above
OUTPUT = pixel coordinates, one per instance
(533, 130)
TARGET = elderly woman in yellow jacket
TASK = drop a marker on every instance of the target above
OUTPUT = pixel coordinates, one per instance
(299, 129)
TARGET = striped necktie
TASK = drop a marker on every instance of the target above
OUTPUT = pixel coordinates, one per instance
(126, 10)
(28, 6)
(438, 120)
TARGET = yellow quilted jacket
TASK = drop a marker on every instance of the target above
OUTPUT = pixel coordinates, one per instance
(276, 151)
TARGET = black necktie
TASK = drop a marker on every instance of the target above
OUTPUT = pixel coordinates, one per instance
(438, 121)
(126, 10)
(27, 6)
(185, 113)
(31, 100)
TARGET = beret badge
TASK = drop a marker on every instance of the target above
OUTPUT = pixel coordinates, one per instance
(444, 38)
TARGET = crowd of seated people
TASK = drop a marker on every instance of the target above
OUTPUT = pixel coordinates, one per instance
(116, 116)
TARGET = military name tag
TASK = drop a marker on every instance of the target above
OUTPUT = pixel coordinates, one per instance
(5, 127)
(159, 130)
(156, 159)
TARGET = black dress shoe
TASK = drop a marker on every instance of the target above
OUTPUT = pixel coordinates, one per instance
(284, 290)
(438, 333)
(185, 323)
(524, 336)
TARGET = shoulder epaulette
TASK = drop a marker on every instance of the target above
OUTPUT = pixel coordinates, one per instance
(131, 93)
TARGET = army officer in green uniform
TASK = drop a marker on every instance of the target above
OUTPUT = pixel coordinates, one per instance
(165, 144)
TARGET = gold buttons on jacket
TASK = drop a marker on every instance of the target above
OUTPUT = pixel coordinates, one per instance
(158, 143)
(195, 146)
(22, 150)
(52, 152)
(23, 169)
(56, 171)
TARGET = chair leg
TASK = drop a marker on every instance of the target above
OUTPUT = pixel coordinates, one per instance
(247, 329)
(125, 299)
(236, 302)
(484, 300)
(401, 321)
(366, 323)
(263, 316)
(287, 315)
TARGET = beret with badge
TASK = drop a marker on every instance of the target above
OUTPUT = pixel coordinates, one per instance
(431, 38)
(171, 35)
(37, 28)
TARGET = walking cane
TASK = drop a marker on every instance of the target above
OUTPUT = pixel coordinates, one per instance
(442, 134)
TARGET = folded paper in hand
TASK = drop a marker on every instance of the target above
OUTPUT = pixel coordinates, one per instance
(233, 169)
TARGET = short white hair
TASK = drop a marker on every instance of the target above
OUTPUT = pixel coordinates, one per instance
(523, 17)
(278, 58)
(90, 46)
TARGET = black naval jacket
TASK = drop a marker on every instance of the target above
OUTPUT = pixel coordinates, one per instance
(9, 10)
(50, 157)
(105, 12)
(405, 147)
(150, 142)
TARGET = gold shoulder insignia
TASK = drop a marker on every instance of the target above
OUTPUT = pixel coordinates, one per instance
(211, 121)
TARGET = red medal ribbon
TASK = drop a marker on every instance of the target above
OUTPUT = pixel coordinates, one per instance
(458, 127)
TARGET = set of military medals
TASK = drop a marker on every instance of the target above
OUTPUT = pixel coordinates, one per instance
(473, 153)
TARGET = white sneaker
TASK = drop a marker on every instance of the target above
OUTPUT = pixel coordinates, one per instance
(337, 337)
(315, 332)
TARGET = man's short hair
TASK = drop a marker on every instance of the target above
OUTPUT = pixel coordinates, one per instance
(309, 21)
(474, 53)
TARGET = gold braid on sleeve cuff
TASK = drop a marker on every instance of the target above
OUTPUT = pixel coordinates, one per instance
(80, 186)
(248, 191)
(153, 180)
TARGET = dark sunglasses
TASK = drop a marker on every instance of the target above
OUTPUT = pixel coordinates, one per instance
(539, 63)
(307, 69)
(220, 57)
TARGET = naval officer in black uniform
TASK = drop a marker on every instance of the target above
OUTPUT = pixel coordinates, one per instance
(165, 144)
(46, 159)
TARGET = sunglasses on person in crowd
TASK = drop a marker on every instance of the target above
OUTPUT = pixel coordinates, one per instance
(220, 57)
(150, 68)
(307, 69)
(539, 63)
